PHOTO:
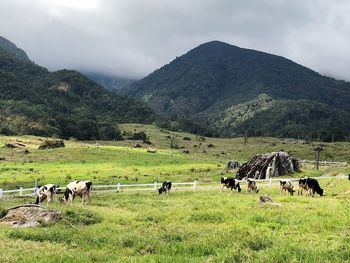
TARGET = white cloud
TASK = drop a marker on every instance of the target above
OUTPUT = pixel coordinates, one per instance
(132, 38)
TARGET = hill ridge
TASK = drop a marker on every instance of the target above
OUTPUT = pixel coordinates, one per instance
(215, 76)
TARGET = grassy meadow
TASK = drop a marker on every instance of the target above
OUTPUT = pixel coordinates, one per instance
(186, 226)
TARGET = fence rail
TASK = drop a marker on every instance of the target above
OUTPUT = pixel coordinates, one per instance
(115, 188)
(105, 188)
(323, 163)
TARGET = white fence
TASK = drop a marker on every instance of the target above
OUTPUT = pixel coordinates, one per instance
(323, 163)
(154, 186)
(22, 192)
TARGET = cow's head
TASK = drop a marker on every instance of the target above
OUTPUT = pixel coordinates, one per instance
(66, 195)
(302, 181)
(161, 190)
(321, 192)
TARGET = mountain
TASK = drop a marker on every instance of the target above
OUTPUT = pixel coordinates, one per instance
(64, 103)
(11, 49)
(215, 83)
(109, 82)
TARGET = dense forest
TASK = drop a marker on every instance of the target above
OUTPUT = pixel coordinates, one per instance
(64, 103)
(214, 82)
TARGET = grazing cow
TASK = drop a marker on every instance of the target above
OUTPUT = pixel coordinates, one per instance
(166, 187)
(314, 187)
(303, 186)
(286, 185)
(230, 183)
(78, 188)
(311, 185)
(252, 185)
(45, 192)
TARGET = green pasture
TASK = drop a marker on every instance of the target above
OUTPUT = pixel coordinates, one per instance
(187, 225)
(190, 226)
(120, 162)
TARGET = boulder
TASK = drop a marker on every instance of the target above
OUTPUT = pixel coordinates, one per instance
(50, 144)
(30, 216)
(268, 165)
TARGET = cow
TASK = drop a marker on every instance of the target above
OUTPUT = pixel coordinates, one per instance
(78, 188)
(252, 185)
(287, 186)
(166, 187)
(311, 185)
(230, 183)
(45, 192)
(303, 186)
(314, 187)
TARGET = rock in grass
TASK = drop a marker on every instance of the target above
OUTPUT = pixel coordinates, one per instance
(265, 199)
(268, 165)
(15, 145)
(51, 144)
(30, 217)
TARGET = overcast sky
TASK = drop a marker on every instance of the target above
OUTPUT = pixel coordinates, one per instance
(132, 38)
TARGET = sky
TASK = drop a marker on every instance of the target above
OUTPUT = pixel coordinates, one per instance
(132, 38)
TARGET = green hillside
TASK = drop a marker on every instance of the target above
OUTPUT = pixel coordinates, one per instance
(64, 103)
(215, 77)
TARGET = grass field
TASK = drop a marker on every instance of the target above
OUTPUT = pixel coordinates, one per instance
(186, 226)
(192, 226)
(113, 162)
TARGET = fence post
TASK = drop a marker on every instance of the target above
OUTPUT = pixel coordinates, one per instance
(155, 186)
(118, 187)
(194, 185)
(21, 191)
(1, 193)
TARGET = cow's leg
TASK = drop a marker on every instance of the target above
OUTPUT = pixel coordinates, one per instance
(83, 198)
(49, 199)
(300, 190)
(89, 196)
(221, 188)
(71, 198)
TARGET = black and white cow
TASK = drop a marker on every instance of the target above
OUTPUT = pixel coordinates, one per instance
(78, 188)
(230, 183)
(303, 186)
(251, 185)
(314, 187)
(45, 192)
(287, 186)
(165, 188)
(311, 185)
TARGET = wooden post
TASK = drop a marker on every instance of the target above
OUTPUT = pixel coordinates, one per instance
(118, 187)
(1, 193)
(21, 191)
(155, 186)
(194, 185)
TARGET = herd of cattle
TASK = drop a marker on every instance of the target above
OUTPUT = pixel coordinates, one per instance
(84, 189)
(310, 185)
(77, 188)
